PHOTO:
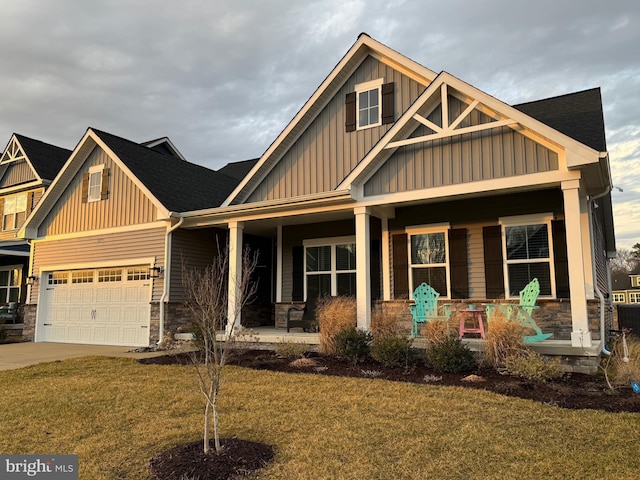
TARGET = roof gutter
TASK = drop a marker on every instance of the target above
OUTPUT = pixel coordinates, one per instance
(167, 272)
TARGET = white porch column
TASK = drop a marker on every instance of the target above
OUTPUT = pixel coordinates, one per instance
(279, 264)
(580, 334)
(386, 261)
(235, 275)
(363, 268)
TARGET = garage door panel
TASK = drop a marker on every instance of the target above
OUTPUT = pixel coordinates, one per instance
(111, 313)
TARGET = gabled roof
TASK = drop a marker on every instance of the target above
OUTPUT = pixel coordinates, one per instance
(501, 113)
(45, 159)
(363, 47)
(164, 145)
(179, 185)
(238, 170)
(577, 115)
(174, 185)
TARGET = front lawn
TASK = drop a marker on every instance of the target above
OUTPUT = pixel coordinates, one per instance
(116, 414)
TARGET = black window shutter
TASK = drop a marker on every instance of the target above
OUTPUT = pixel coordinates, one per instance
(560, 258)
(104, 186)
(458, 267)
(388, 104)
(375, 269)
(493, 263)
(297, 292)
(350, 112)
(400, 266)
(85, 187)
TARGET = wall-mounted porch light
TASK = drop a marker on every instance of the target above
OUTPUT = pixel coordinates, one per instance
(32, 279)
(155, 272)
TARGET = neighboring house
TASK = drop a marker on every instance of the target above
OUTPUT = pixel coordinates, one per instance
(625, 287)
(27, 167)
(106, 253)
(392, 174)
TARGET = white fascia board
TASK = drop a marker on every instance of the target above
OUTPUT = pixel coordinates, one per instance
(270, 208)
(374, 48)
(472, 189)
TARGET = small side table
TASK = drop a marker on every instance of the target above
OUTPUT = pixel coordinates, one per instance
(476, 315)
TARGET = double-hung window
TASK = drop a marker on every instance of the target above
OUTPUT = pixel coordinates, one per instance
(634, 297)
(369, 104)
(428, 258)
(95, 183)
(10, 280)
(528, 253)
(330, 267)
(619, 298)
(14, 211)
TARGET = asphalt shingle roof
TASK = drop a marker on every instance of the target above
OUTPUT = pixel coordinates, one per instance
(179, 185)
(577, 115)
(47, 159)
(238, 169)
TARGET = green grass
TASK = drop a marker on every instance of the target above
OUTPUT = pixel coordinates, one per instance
(117, 414)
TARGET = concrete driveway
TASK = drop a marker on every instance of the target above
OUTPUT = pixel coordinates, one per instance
(17, 355)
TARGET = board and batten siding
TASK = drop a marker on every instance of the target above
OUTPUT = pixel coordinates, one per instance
(192, 249)
(490, 154)
(126, 205)
(325, 154)
(17, 172)
(113, 249)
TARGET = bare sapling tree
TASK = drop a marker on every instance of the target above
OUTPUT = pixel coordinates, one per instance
(207, 295)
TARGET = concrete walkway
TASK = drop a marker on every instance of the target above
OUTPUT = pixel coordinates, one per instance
(18, 355)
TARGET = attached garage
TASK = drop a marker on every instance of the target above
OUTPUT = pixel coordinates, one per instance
(101, 306)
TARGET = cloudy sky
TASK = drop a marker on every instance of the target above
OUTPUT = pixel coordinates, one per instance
(222, 78)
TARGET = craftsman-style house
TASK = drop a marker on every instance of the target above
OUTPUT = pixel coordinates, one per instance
(389, 175)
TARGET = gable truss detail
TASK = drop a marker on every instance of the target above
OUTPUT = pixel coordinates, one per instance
(13, 152)
(449, 129)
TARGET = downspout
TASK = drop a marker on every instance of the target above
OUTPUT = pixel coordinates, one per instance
(594, 269)
(167, 274)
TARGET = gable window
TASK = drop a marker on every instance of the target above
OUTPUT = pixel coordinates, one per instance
(95, 184)
(635, 280)
(527, 248)
(428, 258)
(369, 105)
(330, 267)
(14, 211)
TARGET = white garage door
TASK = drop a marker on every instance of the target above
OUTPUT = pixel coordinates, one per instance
(106, 306)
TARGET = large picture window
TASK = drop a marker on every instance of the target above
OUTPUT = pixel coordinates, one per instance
(330, 267)
(428, 258)
(528, 253)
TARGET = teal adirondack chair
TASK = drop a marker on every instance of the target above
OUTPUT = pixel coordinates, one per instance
(425, 307)
(522, 313)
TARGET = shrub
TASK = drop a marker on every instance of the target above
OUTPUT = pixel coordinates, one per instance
(532, 366)
(291, 349)
(352, 344)
(437, 331)
(624, 372)
(385, 326)
(451, 355)
(393, 351)
(504, 339)
(334, 314)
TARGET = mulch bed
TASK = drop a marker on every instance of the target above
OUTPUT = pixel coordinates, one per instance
(572, 391)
